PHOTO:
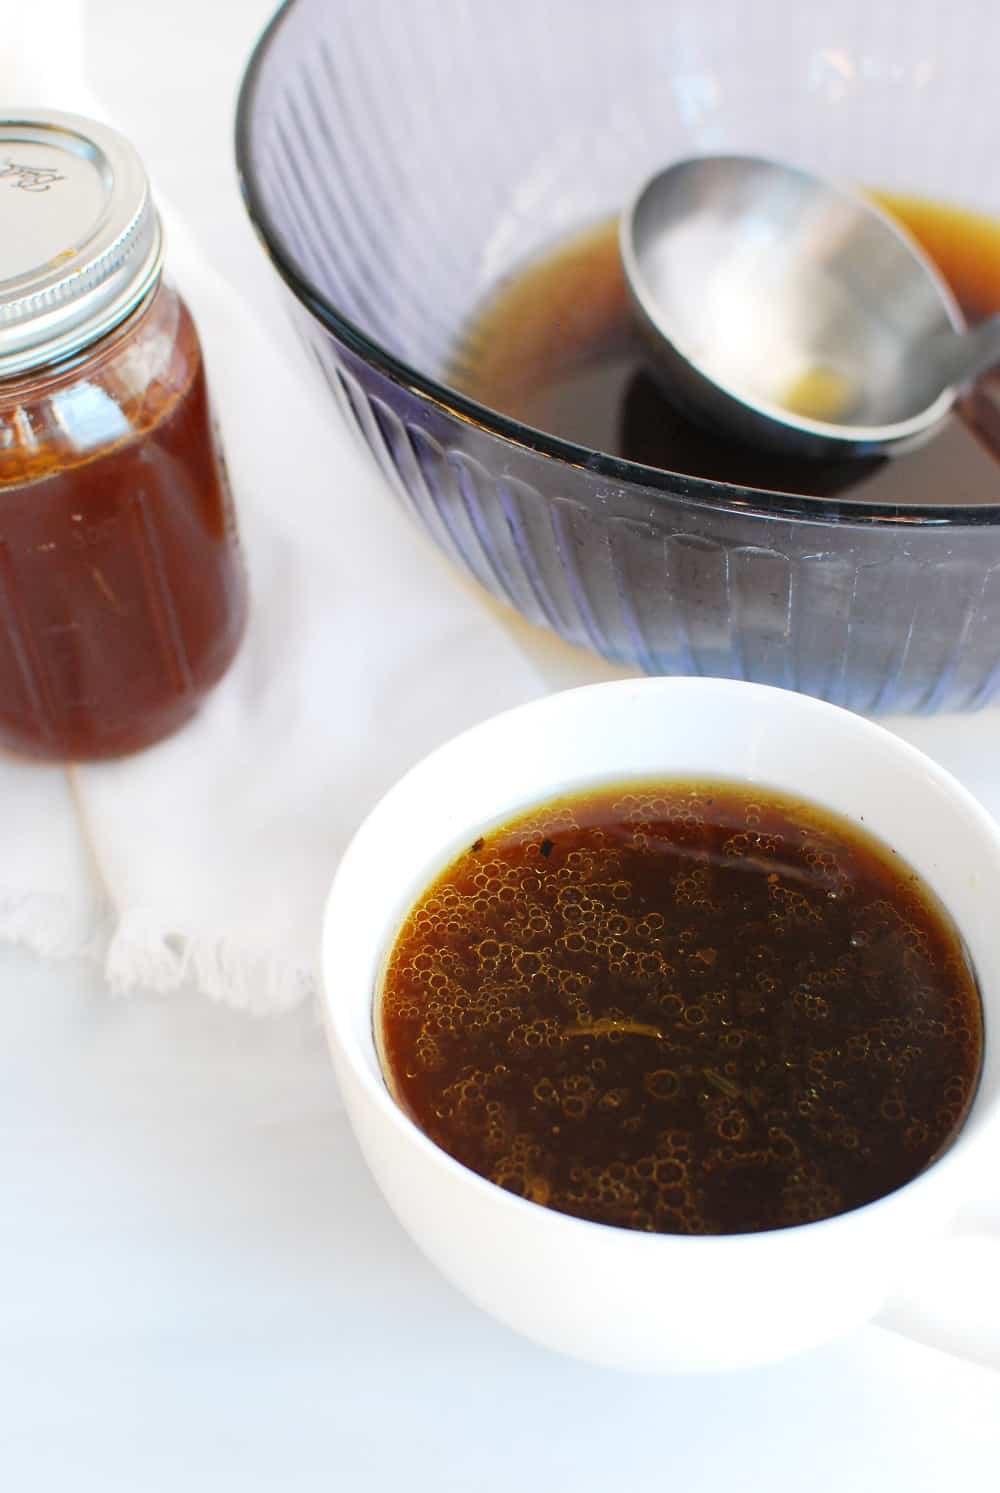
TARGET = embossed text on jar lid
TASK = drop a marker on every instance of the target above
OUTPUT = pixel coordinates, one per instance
(80, 239)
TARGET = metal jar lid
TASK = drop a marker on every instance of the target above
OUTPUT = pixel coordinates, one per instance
(80, 239)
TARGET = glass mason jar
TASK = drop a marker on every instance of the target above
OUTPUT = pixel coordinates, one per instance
(122, 587)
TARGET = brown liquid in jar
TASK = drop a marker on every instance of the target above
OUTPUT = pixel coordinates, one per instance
(683, 1007)
(122, 588)
(555, 348)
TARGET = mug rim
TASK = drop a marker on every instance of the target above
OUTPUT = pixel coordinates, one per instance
(376, 1088)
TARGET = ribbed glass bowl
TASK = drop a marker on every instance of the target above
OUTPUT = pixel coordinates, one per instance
(400, 159)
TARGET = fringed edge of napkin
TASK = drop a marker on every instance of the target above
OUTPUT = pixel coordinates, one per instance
(144, 954)
(51, 926)
(139, 953)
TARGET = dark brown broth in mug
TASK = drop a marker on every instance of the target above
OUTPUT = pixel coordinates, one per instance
(555, 348)
(683, 1007)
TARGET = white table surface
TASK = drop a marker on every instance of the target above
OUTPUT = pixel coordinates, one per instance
(200, 1287)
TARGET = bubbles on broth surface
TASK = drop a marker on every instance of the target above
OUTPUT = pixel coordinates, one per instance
(682, 1008)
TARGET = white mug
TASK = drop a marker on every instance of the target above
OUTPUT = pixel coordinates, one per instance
(611, 1295)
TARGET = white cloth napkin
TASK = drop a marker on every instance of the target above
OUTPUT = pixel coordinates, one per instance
(209, 856)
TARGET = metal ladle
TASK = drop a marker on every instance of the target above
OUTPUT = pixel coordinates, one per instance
(794, 314)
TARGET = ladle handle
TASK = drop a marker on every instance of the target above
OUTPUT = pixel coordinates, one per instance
(964, 358)
(979, 410)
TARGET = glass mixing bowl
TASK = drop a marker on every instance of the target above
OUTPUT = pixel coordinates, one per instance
(400, 160)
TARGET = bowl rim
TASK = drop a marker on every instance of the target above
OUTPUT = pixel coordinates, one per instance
(704, 492)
